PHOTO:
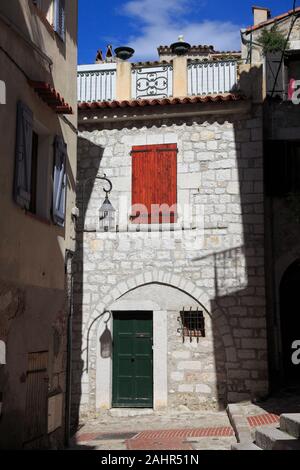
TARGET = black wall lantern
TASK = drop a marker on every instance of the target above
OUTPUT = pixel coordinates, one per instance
(106, 211)
(106, 340)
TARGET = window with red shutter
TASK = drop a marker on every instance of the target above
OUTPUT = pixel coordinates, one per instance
(154, 184)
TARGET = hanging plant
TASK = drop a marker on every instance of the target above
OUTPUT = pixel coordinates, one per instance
(272, 40)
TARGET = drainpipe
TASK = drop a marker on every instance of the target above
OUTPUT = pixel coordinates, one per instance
(69, 285)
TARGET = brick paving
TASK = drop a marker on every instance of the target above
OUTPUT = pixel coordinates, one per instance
(175, 437)
(262, 420)
(157, 431)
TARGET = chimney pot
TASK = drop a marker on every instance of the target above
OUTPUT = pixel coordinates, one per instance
(261, 14)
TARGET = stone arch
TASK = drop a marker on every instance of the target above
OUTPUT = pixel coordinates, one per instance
(284, 262)
(173, 280)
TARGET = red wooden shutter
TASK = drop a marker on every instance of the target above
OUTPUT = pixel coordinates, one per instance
(154, 183)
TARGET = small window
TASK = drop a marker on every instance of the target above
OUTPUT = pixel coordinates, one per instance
(59, 18)
(192, 324)
(31, 189)
(40, 202)
(34, 172)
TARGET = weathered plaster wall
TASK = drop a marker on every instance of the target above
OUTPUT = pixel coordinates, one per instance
(32, 251)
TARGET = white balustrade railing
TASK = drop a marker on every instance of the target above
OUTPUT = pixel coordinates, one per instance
(212, 77)
(96, 82)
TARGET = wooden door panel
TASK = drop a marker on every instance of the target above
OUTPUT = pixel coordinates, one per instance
(132, 360)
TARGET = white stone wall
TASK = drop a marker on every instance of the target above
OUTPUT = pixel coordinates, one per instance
(220, 264)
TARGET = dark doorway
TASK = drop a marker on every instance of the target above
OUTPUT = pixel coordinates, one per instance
(290, 321)
(132, 360)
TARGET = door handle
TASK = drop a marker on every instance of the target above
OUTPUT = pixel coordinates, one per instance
(132, 359)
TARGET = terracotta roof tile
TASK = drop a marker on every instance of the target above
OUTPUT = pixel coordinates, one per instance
(272, 20)
(199, 48)
(51, 97)
(161, 101)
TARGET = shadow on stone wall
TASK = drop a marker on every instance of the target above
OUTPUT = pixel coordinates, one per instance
(87, 169)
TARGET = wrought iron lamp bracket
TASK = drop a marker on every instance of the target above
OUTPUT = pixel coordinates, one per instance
(104, 178)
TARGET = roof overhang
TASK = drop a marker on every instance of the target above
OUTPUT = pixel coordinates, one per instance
(51, 97)
(154, 109)
(281, 17)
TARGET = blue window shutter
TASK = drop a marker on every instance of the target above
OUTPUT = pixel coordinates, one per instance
(22, 180)
(59, 181)
(59, 18)
(276, 71)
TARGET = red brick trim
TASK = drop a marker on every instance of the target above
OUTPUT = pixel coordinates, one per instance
(174, 439)
(262, 420)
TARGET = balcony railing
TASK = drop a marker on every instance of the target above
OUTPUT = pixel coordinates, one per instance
(212, 77)
(97, 82)
(155, 81)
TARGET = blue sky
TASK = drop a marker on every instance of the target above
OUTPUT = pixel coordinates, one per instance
(146, 24)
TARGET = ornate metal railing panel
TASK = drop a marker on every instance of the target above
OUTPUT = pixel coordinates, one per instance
(212, 77)
(156, 81)
(97, 84)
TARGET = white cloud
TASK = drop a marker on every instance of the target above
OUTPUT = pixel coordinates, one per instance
(160, 22)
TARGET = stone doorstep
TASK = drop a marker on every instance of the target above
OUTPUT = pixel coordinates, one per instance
(239, 423)
(245, 446)
(130, 412)
(270, 438)
(290, 423)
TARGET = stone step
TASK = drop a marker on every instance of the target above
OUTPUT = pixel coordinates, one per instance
(290, 423)
(270, 438)
(245, 446)
(130, 412)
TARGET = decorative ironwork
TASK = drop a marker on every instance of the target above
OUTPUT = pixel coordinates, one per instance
(97, 85)
(192, 324)
(207, 77)
(152, 82)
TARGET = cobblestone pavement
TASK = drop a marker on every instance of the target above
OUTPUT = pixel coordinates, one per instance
(157, 431)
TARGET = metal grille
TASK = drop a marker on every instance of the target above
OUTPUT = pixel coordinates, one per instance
(192, 324)
(152, 82)
(36, 398)
(212, 77)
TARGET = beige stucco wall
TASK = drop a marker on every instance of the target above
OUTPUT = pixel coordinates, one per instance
(32, 252)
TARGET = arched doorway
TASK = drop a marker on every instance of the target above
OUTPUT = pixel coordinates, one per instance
(290, 321)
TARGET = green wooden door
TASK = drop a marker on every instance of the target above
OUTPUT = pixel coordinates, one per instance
(132, 360)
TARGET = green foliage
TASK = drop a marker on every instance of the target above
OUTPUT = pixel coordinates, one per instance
(272, 40)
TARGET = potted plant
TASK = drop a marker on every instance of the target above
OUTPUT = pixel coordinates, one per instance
(180, 47)
(124, 52)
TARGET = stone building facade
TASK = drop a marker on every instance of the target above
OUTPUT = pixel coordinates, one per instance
(281, 125)
(213, 264)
